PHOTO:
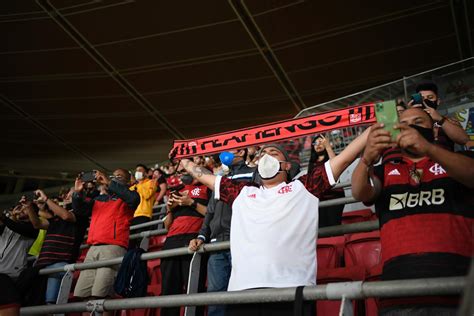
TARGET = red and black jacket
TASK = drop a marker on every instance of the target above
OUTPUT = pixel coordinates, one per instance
(110, 214)
(186, 220)
(426, 221)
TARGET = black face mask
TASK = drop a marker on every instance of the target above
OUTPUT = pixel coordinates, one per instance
(431, 104)
(186, 179)
(427, 133)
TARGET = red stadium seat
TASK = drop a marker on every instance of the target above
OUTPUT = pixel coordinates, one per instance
(348, 274)
(358, 216)
(156, 242)
(154, 272)
(329, 252)
(363, 249)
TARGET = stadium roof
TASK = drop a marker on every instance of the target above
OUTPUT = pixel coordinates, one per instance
(90, 84)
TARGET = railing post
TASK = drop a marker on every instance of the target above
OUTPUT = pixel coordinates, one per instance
(95, 307)
(65, 288)
(346, 307)
(193, 281)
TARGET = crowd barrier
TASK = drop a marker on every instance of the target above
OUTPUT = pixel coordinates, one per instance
(339, 201)
(333, 291)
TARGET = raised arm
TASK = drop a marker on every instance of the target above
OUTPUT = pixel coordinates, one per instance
(132, 198)
(23, 228)
(199, 173)
(36, 221)
(348, 155)
(459, 167)
(328, 147)
(56, 209)
(452, 128)
(79, 203)
(377, 141)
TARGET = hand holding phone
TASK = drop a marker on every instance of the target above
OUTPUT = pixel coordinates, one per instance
(386, 113)
(88, 176)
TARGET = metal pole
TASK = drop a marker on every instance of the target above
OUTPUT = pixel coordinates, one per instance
(405, 90)
(331, 291)
(456, 29)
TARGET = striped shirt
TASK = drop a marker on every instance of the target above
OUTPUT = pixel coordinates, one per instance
(58, 243)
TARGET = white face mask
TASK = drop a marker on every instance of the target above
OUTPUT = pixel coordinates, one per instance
(268, 167)
(138, 175)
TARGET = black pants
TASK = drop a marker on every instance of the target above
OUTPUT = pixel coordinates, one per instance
(269, 309)
(174, 273)
(135, 243)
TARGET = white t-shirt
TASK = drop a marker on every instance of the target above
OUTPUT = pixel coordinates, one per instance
(273, 231)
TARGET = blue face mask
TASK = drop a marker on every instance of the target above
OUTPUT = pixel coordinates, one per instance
(226, 158)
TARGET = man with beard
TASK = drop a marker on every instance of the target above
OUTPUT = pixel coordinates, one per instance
(109, 229)
(425, 207)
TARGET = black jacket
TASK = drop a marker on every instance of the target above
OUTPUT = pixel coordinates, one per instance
(216, 226)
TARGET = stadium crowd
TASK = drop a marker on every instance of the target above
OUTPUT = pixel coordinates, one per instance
(260, 200)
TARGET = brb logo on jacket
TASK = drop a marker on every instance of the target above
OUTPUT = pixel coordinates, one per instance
(285, 189)
(410, 200)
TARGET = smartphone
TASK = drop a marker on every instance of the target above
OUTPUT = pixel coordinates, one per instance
(88, 176)
(386, 113)
(417, 99)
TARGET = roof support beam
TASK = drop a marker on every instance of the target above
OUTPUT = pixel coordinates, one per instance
(266, 51)
(80, 39)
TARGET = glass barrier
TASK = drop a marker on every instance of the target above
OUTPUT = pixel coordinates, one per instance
(456, 91)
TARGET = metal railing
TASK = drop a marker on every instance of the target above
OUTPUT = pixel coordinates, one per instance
(331, 291)
(156, 232)
(211, 247)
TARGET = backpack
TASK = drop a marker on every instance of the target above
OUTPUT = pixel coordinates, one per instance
(132, 277)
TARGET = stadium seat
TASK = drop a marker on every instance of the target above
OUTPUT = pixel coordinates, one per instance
(358, 216)
(363, 249)
(154, 272)
(348, 274)
(329, 252)
(156, 242)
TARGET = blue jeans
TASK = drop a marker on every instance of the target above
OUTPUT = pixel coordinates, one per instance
(54, 283)
(219, 266)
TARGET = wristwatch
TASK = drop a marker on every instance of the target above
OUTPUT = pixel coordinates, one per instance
(194, 204)
(441, 122)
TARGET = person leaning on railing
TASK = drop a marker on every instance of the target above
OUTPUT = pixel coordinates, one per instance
(108, 236)
(274, 225)
(425, 207)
